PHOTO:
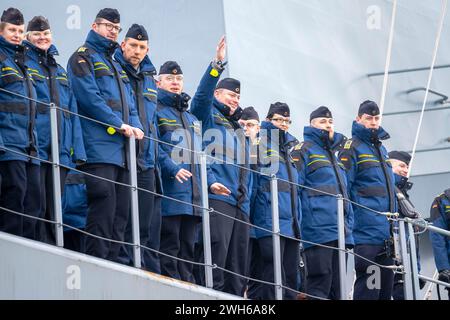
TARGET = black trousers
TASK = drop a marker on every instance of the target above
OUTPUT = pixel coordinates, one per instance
(20, 192)
(74, 240)
(108, 209)
(290, 257)
(254, 268)
(46, 230)
(372, 282)
(178, 234)
(149, 225)
(229, 247)
(322, 271)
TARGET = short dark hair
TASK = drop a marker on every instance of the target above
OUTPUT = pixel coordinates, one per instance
(2, 26)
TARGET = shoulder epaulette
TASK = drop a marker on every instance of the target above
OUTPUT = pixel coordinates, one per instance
(446, 194)
(351, 143)
(348, 144)
(298, 146)
(304, 146)
(300, 149)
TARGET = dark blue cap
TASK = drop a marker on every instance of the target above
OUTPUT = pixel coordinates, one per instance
(38, 23)
(279, 108)
(170, 67)
(137, 32)
(13, 16)
(109, 14)
(368, 107)
(229, 84)
(320, 112)
(400, 155)
(249, 113)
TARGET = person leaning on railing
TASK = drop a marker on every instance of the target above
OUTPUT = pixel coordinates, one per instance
(132, 56)
(102, 89)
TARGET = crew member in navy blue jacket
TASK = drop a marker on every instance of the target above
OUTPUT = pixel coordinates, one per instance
(371, 183)
(275, 158)
(20, 173)
(180, 169)
(440, 217)
(103, 92)
(249, 121)
(320, 170)
(399, 161)
(134, 59)
(52, 86)
(229, 238)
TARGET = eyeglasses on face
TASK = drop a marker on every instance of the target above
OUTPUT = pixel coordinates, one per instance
(249, 125)
(110, 26)
(281, 120)
(172, 78)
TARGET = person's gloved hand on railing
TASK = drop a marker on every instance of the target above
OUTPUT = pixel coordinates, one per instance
(444, 275)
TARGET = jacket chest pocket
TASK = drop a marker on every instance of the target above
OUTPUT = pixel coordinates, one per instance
(150, 96)
(168, 126)
(104, 78)
(10, 77)
(41, 85)
(64, 91)
(62, 81)
(315, 164)
(222, 122)
(102, 71)
(366, 164)
(124, 78)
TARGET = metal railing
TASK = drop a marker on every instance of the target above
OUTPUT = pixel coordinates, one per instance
(408, 252)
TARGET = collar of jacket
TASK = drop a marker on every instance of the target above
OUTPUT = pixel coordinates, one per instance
(285, 138)
(174, 100)
(322, 138)
(10, 48)
(225, 111)
(100, 43)
(402, 183)
(447, 193)
(146, 66)
(37, 52)
(369, 135)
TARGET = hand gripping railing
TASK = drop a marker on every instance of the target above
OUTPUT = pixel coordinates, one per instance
(209, 266)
